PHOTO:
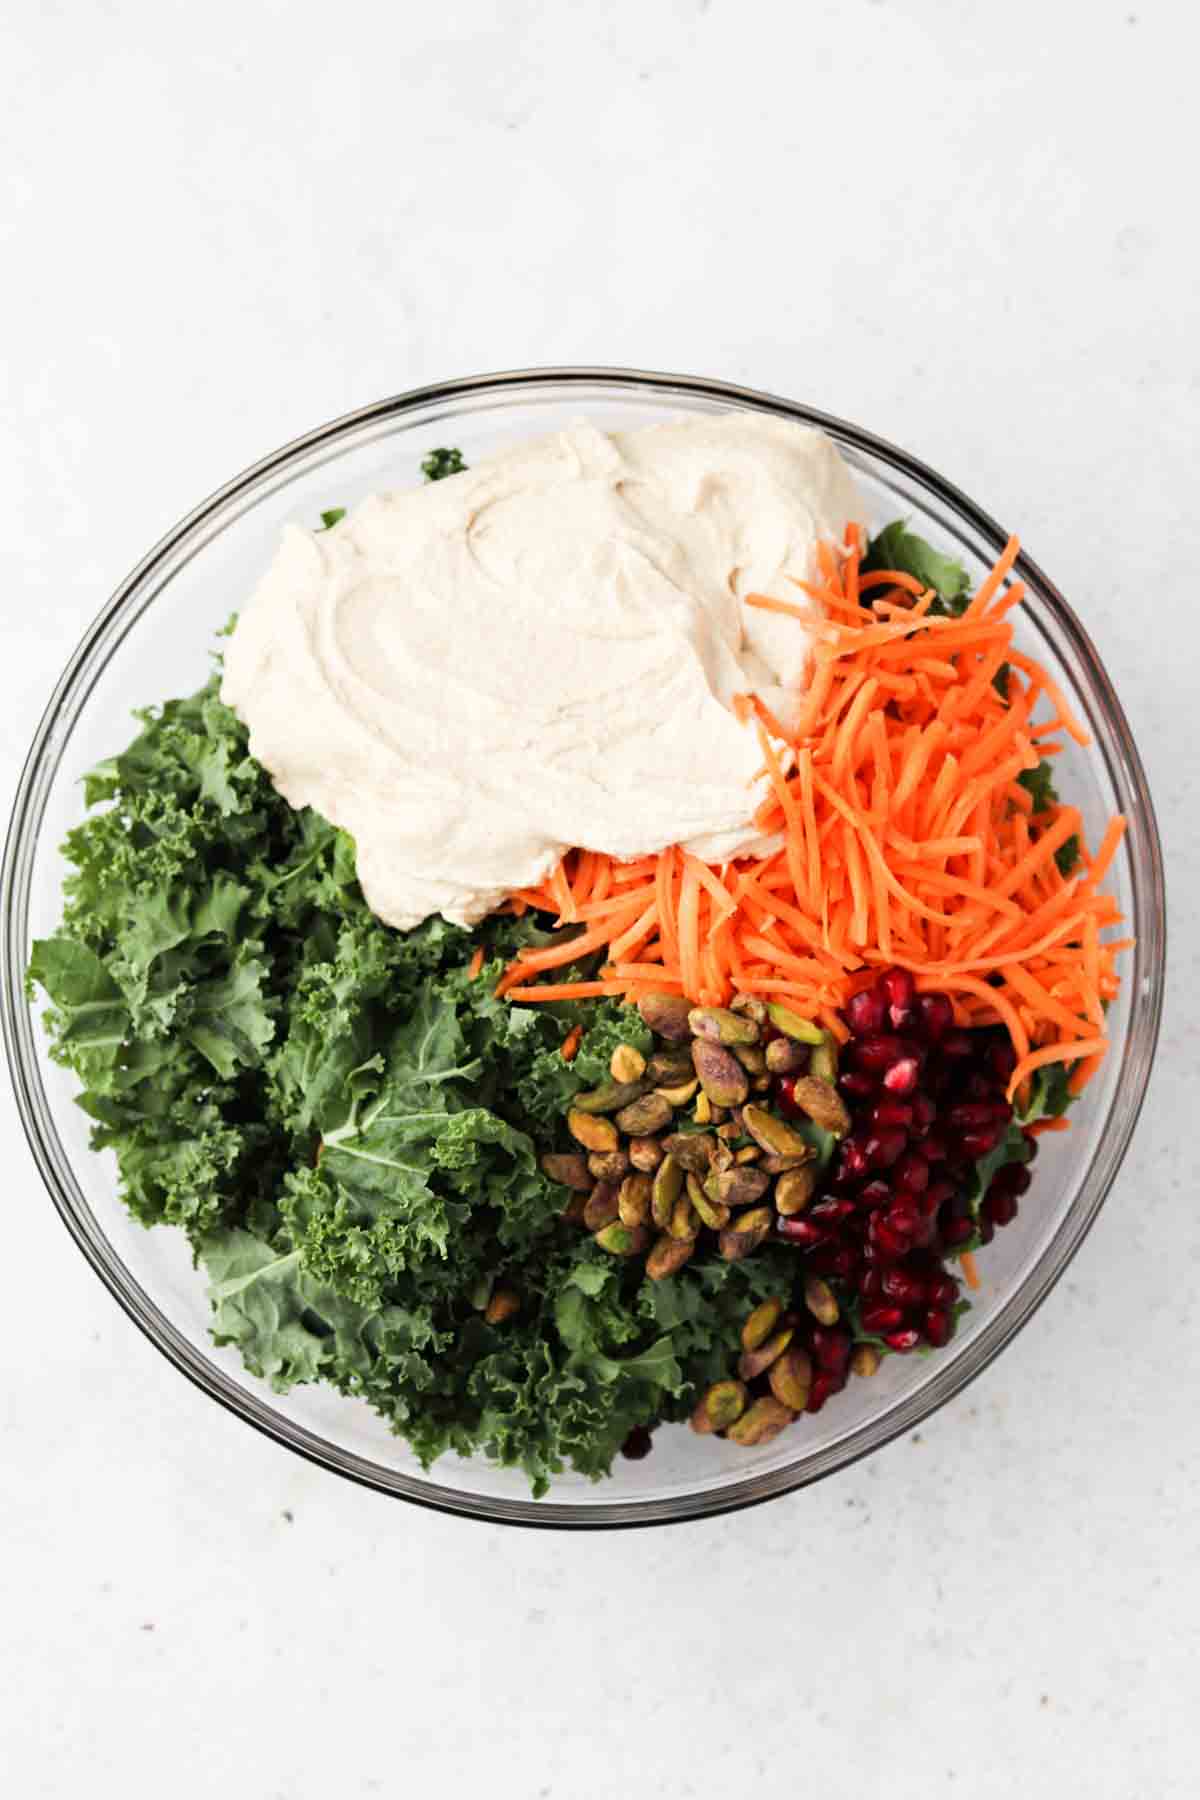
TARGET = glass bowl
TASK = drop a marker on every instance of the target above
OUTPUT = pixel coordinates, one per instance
(154, 639)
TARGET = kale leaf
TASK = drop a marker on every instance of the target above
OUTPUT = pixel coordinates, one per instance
(440, 463)
(896, 547)
(348, 1126)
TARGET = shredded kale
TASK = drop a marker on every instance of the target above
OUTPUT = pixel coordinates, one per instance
(347, 1126)
(896, 547)
(440, 463)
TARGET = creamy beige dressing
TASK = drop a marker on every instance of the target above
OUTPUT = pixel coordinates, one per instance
(472, 676)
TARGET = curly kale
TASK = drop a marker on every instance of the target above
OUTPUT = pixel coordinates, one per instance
(346, 1124)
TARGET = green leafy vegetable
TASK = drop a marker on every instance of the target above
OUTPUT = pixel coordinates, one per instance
(440, 463)
(895, 547)
(333, 517)
(347, 1126)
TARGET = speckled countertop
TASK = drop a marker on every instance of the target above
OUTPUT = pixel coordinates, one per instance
(964, 226)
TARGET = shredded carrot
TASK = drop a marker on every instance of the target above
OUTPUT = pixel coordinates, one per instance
(898, 830)
(970, 1271)
(475, 964)
(1042, 1127)
(571, 1043)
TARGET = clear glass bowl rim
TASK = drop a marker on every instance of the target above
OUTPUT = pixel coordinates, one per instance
(104, 637)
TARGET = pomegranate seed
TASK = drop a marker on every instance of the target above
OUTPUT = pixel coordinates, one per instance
(637, 1444)
(938, 1326)
(865, 1012)
(979, 1143)
(1013, 1178)
(941, 1191)
(1000, 1209)
(942, 1290)
(853, 1159)
(823, 1384)
(924, 1112)
(831, 1347)
(902, 1077)
(900, 992)
(878, 1052)
(904, 1288)
(903, 1217)
(1003, 1059)
(937, 1014)
(839, 1261)
(871, 1285)
(902, 1341)
(785, 1094)
(986, 1229)
(883, 1240)
(856, 1084)
(956, 1043)
(875, 1193)
(801, 1231)
(969, 1116)
(884, 1148)
(888, 1114)
(878, 1319)
(912, 1172)
(1031, 1145)
(957, 1231)
(831, 1212)
(934, 1147)
(978, 1087)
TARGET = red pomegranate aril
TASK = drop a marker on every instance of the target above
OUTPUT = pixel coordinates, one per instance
(937, 1014)
(902, 1341)
(852, 1163)
(956, 1231)
(878, 1319)
(877, 1052)
(883, 1240)
(865, 1012)
(985, 1228)
(956, 1043)
(902, 1077)
(824, 1384)
(924, 1112)
(891, 1115)
(912, 1172)
(1003, 1060)
(839, 1262)
(831, 1348)
(874, 1193)
(934, 1147)
(1031, 1146)
(938, 1326)
(1013, 1178)
(802, 1232)
(831, 1211)
(903, 1288)
(969, 1115)
(883, 1148)
(785, 1095)
(1000, 1209)
(942, 1290)
(857, 1085)
(980, 1143)
(978, 1087)
(941, 1191)
(900, 992)
(903, 1216)
(638, 1444)
(871, 1285)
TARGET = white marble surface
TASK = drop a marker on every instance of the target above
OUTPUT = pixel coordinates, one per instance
(967, 226)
